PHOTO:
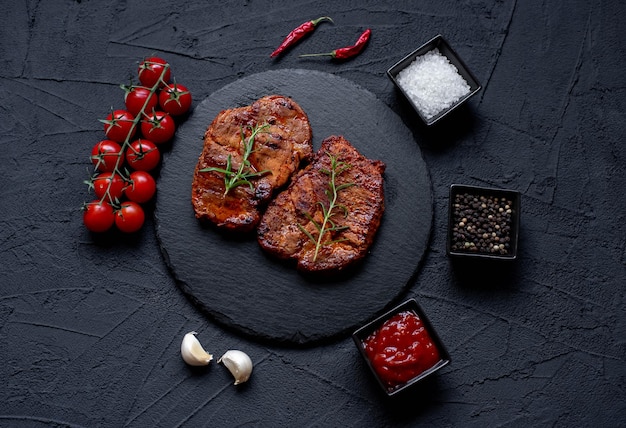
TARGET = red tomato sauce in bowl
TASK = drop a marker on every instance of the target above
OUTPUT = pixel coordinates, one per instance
(401, 349)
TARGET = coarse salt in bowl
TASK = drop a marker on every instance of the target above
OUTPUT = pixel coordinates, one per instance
(432, 83)
(434, 80)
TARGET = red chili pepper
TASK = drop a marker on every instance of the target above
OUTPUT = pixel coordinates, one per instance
(348, 51)
(298, 33)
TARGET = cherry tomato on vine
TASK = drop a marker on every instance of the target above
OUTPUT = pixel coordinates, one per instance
(130, 217)
(159, 127)
(175, 99)
(143, 155)
(154, 70)
(139, 99)
(119, 125)
(141, 188)
(105, 155)
(109, 183)
(98, 216)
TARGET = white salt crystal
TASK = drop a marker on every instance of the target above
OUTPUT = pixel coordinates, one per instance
(432, 83)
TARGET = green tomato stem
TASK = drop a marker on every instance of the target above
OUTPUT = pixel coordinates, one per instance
(126, 143)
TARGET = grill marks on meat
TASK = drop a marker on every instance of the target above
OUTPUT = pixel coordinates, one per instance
(279, 232)
(280, 149)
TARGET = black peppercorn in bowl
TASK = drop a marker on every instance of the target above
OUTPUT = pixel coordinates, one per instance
(483, 222)
(401, 348)
(434, 79)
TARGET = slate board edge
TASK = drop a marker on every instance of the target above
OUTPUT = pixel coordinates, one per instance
(227, 323)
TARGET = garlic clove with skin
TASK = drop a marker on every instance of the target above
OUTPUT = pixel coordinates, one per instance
(238, 363)
(192, 351)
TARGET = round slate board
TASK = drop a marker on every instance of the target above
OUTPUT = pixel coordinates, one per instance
(235, 282)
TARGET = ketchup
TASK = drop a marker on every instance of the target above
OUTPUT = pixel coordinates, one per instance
(401, 349)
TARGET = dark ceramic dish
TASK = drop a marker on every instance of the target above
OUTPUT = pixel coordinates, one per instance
(361, 335)
(472, 233)
(445, 49)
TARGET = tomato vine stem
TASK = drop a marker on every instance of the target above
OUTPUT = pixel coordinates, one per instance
(126, 143)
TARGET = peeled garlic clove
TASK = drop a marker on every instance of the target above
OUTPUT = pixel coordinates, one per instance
(192, 351)
(238, 363)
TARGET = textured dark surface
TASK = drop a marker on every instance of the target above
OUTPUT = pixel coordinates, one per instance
(235, 282)
(90, 328)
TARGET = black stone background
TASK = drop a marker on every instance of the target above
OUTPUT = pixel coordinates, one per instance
(90, 327)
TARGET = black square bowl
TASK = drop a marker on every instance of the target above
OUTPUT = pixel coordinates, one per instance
(483, 222)
(360, 336)
(437, 42)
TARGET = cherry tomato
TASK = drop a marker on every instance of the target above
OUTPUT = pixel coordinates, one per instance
(109, 183)
(98, 216)
(142, 187)
(130, 217)
(153, 71)
(119, 125)
(139, 99)
(143, 155)
(175, 99)
(159, 127)
(105, 155)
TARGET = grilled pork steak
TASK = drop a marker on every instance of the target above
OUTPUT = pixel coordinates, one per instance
(281, 136)
(290, 227)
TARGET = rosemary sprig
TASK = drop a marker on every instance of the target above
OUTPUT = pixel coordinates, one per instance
(245, 171)
(332, 192)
